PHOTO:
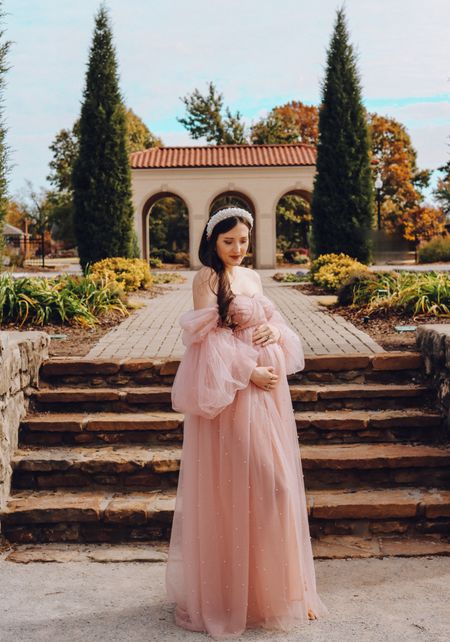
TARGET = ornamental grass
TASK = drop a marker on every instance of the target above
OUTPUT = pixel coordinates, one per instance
(63, 300)
(415, 293)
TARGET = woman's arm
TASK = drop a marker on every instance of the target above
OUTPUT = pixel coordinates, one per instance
(216, 363)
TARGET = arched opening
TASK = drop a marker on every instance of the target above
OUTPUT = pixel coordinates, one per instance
(165, 230)
(237, 199)
(293, 224)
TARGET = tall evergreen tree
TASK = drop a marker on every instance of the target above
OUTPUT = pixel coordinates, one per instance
(4, 149)
(103, 211)
(342, 203)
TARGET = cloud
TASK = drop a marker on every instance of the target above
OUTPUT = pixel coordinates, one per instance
(258, 54)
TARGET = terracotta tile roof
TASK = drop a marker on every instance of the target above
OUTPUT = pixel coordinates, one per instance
(225, 156)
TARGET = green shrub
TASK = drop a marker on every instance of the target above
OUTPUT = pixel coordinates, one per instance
(357, 288)
(330, 271)
(295, 255)
(66, 299)
(299, 258)
(290, 277)
(183, 258)
(435, 250)
(154, 262)
(131, 274)
(166, 256)
(135, 251)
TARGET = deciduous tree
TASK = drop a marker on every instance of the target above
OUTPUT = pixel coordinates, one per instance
(205, 119)
(397, 164)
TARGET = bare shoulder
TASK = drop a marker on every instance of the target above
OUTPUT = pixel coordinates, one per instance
(255, 275)
(251, 275)
(203, 288)
(205, 277)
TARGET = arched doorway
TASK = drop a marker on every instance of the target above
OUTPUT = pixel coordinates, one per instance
(293, 223)
(165, 229)
(237, 199)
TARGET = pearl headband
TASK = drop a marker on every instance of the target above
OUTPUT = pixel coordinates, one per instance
(228, 212)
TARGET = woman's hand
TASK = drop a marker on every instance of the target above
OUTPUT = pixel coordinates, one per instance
(264, 377)
(265, 334)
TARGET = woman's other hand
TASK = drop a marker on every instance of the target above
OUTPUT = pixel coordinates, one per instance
(264, 377)
(265, 334)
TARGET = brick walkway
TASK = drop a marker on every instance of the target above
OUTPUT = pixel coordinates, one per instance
(153, 331)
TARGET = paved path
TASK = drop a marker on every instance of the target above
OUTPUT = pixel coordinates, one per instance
(394, 599)
(153, 331)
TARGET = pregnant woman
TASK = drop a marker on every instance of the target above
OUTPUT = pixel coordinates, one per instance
(240, 553)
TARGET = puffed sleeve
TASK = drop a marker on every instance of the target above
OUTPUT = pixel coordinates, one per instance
(215, 365)
(290, 343)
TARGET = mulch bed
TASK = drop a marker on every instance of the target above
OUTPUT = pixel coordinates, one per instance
(380, 327)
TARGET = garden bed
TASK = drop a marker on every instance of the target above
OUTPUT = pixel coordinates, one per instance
(382, 328)
(79, 340)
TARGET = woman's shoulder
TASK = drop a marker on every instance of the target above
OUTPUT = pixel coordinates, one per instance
(204, 279)
(205, 273)
(250, 273)
(204, 288)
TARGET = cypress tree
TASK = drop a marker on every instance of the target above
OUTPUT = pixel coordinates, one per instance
(342, 202)
(103, 211)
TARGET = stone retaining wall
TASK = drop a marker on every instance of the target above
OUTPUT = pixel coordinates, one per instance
(21, 355)
(434, 343)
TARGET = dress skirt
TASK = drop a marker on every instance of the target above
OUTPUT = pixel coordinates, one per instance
(240, 552)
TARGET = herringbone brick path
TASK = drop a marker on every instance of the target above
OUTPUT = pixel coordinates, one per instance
(154, 331)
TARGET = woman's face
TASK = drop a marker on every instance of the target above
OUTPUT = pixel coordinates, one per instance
(232, 246)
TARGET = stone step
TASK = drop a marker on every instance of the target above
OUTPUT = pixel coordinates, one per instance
(325, 466)
(114, 466)
(104, 516)
(357, 547)
(117, 399)
(127, 372)
(326, 547)
(50, 428)
(304, 396)
(350, 426)
(332, 426)
(357, 396)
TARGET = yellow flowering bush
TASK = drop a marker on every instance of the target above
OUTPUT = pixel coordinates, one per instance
(331, 271)
(130, 274)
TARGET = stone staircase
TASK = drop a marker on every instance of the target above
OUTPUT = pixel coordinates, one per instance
(99, 455)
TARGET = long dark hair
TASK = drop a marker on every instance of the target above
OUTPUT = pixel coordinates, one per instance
(207, 254)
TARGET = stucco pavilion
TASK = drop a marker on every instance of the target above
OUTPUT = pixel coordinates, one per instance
(258, 175)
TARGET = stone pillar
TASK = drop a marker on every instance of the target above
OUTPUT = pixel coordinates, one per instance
(265, 240)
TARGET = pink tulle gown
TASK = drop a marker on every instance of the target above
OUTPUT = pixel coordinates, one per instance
(240, 551)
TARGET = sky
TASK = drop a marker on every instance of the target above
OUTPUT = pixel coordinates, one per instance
(259, 54)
